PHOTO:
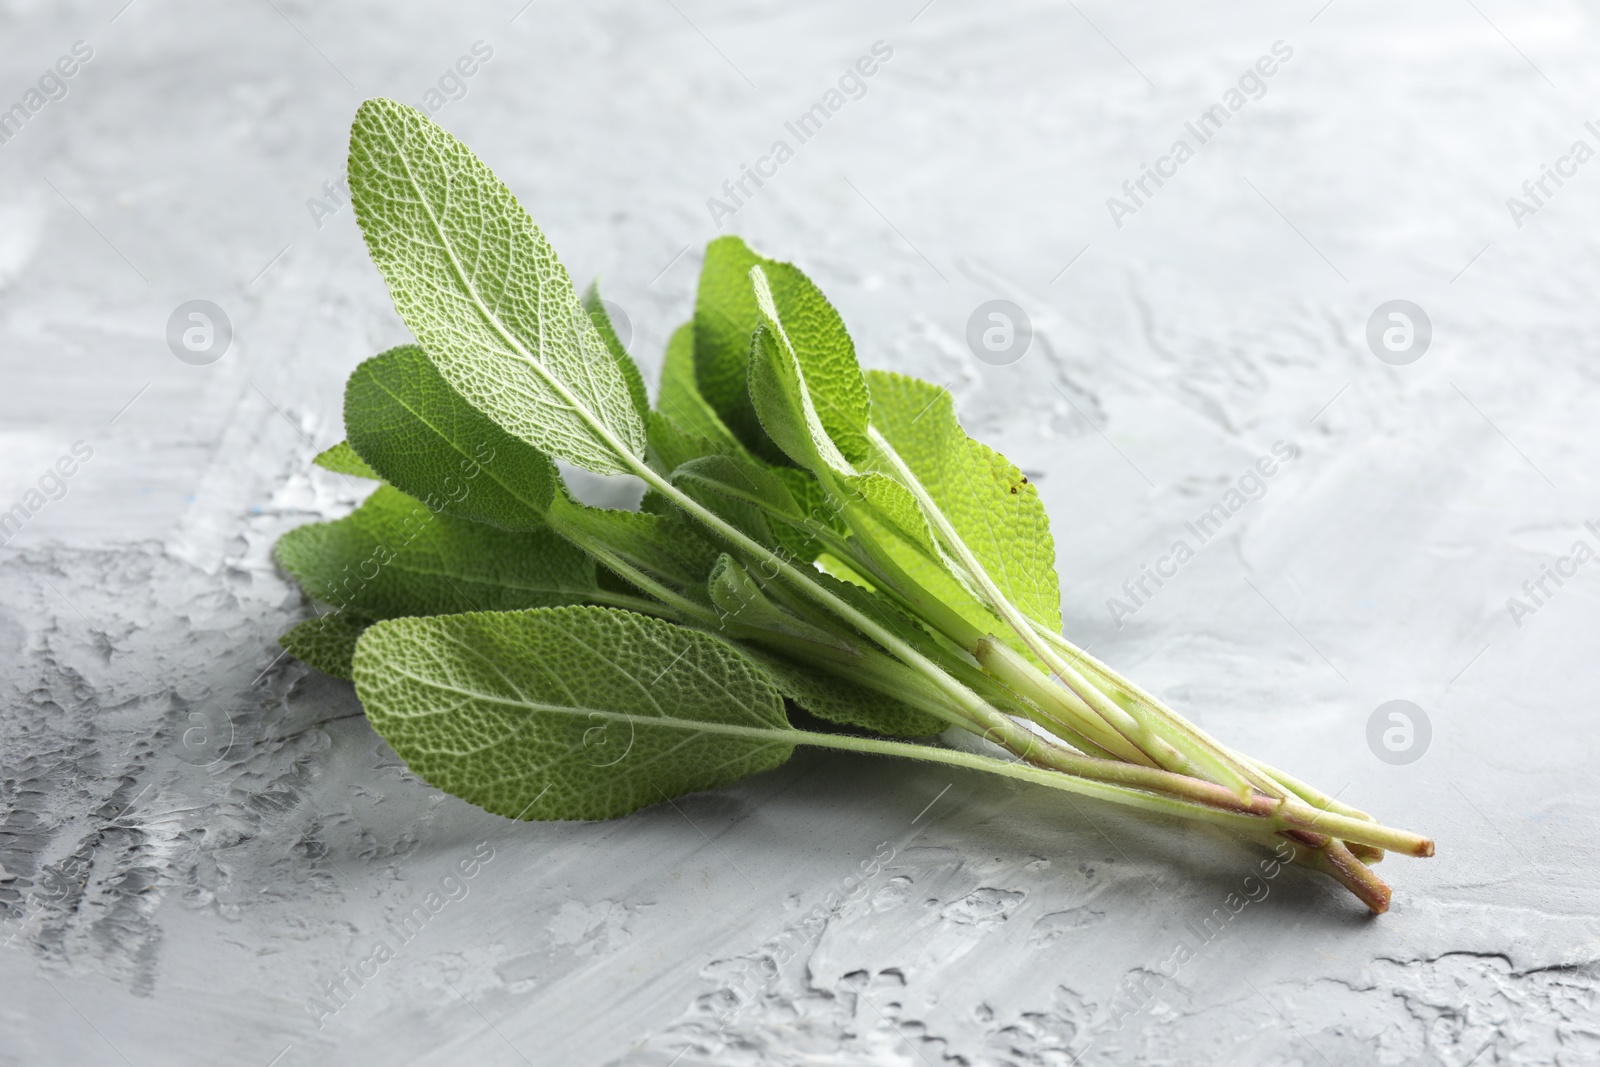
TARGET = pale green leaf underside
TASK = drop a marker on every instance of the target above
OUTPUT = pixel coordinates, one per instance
(568, 713)
(810, 391)
(425, 439)
(923, 565)
(393, 557)
(825, 353)
(483, 292)
(741, 480)
(993, 508)
(778, 392)
(766, 489)
(892, 506)
(683, 426)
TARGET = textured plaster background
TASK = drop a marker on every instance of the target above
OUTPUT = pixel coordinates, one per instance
(163, 909)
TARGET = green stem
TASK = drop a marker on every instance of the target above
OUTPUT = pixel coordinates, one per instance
(1297, 815)
(868, 554)
(993, 724)
(630, 572)
(1046, 715)
(1150, 788)
(1000, 660)
(1074, 723)
(1341, 864)
(880, 673)
(1310, 794)
(1269, 780)
(1340, 821)
(1331, 858)
(866, 666)
(1174, 751)
(986, 719)
(980, 713)
(1056, 708)
(1111, 790)
(1006, 730)
(982, 717)
(1158, 710)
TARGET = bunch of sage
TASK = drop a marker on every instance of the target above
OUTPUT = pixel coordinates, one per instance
(810, 536)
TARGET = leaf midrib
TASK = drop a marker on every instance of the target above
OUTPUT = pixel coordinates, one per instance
(668, 722)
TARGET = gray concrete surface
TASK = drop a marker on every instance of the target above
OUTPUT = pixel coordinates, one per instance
(199, 837)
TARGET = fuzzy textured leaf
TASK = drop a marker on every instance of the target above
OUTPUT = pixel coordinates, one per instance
(663, 545)
(778, 392)
(483, 292)
(679, 396)
(781, 394)
(744, 481)
(742, 601)
(671, 445)
(765, 488)
(392, 556)
(426, 440)
(841, 701)
(799, 648)
(326, 642)
(568, 713)
(728, 309)
(725, 316)
(994, 509)
(619, 352)
(342, 459)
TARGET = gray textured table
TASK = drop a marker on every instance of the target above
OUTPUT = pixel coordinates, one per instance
(201, 841)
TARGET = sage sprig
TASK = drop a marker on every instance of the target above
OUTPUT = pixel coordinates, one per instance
(811, 536)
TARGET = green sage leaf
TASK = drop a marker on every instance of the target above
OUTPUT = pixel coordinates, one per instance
(995, 510)
(425, 439)
(393, 556)
(679, 396)
(342, 459)
(484, 294)
(619, 353)
(662, 544)
(728, 309)
(326, 642)
(841, 700)
(568, 713)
